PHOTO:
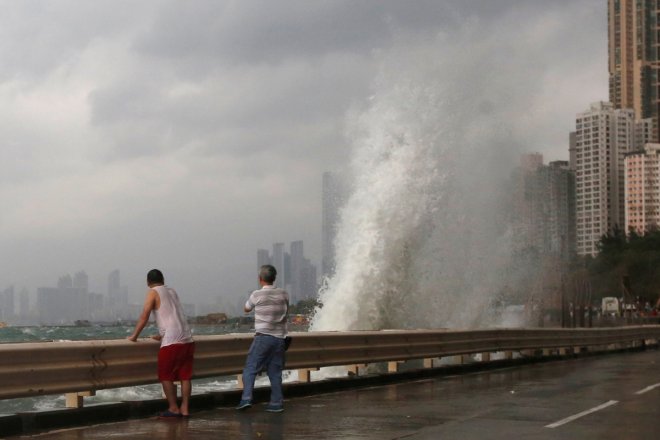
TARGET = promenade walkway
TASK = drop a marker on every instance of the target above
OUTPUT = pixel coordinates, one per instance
(603, 397)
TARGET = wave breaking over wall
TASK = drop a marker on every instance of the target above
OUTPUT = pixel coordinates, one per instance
(422, 239)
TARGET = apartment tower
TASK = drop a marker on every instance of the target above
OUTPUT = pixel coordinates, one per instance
(544, 208)
(334, 193)
(633, 49)
(603, 135)
(642, 170)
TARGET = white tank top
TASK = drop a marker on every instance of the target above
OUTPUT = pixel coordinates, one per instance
(172, 323)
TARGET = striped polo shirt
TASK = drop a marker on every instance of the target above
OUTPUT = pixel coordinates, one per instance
(271, 307)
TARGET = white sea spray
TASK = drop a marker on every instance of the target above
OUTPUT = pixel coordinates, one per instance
(422, 240)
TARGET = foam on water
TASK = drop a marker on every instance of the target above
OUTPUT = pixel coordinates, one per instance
(422, 241)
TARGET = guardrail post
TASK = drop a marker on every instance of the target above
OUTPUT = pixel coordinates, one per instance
(355, 369)
(485, 357)
(428, 362)
(508, 354)
(305, 374)
(461, 359)
(239, 381)
(393, 366)
(76, 400)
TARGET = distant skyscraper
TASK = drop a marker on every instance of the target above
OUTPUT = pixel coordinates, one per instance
(603, 136)
(308, 280)
(117, 294)
(642, 171)
(65, 282)
(62, 305)
(544, 208)
(527, 222)
(81, 280)
(114, 281)
(334, 194)
(531, 161)
(294, 272)
(263, 257)
(7, 307)
(634, 65)
(278, 260)
(24, 303)
(296, 269)
(560, 183)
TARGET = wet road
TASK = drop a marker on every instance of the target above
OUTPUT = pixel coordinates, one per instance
(604, 397)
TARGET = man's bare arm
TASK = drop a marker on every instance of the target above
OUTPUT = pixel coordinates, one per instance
(149, 305)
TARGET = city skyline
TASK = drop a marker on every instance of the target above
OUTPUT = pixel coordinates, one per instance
(158, 135)
(295, 272)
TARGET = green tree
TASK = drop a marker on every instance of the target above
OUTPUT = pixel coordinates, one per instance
(634, 257)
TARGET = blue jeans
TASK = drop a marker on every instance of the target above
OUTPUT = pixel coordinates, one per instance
(266, 353)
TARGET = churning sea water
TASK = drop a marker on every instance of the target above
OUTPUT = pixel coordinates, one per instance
(94, 332)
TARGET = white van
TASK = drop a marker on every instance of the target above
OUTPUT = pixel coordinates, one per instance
(610, 305)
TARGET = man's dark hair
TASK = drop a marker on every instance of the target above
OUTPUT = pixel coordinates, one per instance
(155, 277)
(267, 273)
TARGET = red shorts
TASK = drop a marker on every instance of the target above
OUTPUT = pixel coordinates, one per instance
(175, 362)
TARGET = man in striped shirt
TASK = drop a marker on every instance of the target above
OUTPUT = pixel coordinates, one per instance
(271, 307)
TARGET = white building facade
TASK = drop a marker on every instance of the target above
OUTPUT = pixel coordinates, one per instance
(642, 186)
(603, 136)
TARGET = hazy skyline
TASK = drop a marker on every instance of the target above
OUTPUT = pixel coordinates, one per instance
(185, 136)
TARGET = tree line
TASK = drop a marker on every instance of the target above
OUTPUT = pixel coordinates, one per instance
(625, 262)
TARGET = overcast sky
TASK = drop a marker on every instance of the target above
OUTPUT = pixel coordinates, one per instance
(185, 135)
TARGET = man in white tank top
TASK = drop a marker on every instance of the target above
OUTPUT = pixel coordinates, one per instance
(175, 357)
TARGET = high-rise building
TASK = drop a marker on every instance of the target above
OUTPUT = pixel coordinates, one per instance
(308, 280)
(117, 294)
(527, 221)
(62, 305)
(81, 280)
(65, 282)
(544, 208)
(296, 269)
(603, 136)
(560, 181)
(263, 257)
(114, 281)
(24, 303)
(634, 62)
(278, 261)
(7, 307)
(295, 273)
(642, 171)
(334, 193)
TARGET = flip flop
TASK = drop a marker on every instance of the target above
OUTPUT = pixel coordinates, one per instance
(169, 415)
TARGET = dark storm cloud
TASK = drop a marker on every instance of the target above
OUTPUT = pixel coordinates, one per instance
(260, 31)
(249, 64)
(37, 37)
(205, 114)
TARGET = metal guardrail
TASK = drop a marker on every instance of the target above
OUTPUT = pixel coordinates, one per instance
(82, 367)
